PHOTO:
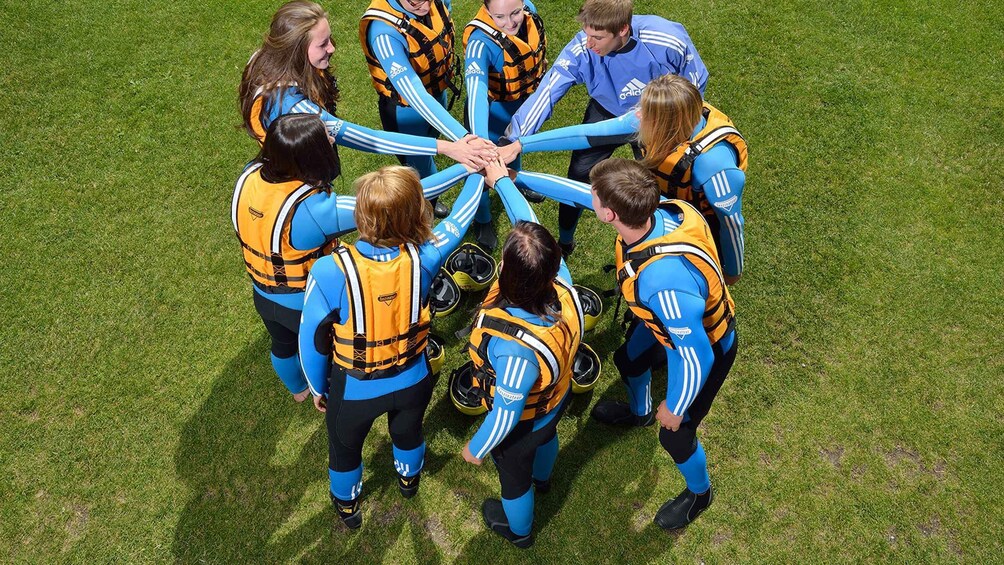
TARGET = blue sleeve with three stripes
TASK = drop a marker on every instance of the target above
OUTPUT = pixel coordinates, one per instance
(516, 371)
(718, 175)
(680, 308)
(553, 85)
(349, 134)
(519, 210)
(448, 234)
(482, 53)
(557, 188)
(583, 136)
(325, 277)
(321, 217)
(385, 43)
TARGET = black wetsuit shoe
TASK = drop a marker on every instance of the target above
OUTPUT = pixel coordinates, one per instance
(408, 485)
(484, 234)
(566, 249)
(497, 522)
(348, 512)
(440, 210)
(617, 413)
(531, 195)
(541, 487)
(682, 510)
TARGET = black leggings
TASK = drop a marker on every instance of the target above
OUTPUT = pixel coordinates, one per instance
(583, 160)
(349, 421)
(283, 325)
(514, 456)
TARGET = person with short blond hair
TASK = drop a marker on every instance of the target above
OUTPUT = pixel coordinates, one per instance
(615, 57)
(365, 327)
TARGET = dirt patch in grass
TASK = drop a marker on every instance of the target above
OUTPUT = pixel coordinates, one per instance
(934, 529)
(437, 533)
(833, 455)
(912, 463)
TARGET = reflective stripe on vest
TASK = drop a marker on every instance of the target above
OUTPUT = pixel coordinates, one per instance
(374, 344)
(553, 347)
(525, 62)
(261, 213)
(691, 240)
(674, 174)
(430, 49)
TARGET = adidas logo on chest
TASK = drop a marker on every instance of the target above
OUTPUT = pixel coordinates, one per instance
(632, 89)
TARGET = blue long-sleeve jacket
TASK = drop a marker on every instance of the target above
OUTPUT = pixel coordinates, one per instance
(326, 300)
(715, 173)
(656, 47)
(671, 287)
(391, 50)
(291, 100)
(516, 367)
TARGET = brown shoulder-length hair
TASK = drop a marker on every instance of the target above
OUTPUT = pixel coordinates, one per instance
(390, 207)
(531, 258)
(282, 60)
(670, 109)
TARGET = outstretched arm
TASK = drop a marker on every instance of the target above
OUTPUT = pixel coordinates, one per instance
(557, 188)
(448, 234)
(583, 136)
(553, 85)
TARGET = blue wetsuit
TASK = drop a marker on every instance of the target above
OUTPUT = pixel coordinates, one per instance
(424, 109)
(715, 173)
(326, 302)
(517, 370)
(675, 291)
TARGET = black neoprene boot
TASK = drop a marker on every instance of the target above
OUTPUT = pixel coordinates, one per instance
(348, 512)
(617, 413)
(683, 509)
(496, 520)
(566, 249)
(531, 195)
(542, 487)
(484, 234)
(439, 209)
(408, 485)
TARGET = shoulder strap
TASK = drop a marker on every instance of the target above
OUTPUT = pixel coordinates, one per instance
(526, 338)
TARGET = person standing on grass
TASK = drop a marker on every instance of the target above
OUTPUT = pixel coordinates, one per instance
(615, 55)
(505, 49)
(291, 74)
(408, 46)
(365, 327)
(694, 150)
(286, 217)
(523, 347)
(670, 275)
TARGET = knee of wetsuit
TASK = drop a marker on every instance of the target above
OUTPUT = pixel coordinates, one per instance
(680, 444)
(627, 368)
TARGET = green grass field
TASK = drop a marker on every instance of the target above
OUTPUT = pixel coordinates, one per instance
(140, 419)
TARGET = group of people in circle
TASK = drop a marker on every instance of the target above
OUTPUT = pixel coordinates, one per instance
(350, 322)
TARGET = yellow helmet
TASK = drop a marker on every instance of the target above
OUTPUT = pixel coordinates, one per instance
(444, 295)
(463, 393)
(592, 306)
(585, 369)
(435, 351)
(471, 267)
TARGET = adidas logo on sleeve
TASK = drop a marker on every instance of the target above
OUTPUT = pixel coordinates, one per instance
(474, 69)
(632, 88)
(395, 69)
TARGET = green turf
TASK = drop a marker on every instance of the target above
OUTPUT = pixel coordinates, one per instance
(141, 420)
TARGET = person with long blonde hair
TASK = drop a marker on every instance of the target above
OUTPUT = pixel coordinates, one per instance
(365, 327)
(694, 150)
(291, 73)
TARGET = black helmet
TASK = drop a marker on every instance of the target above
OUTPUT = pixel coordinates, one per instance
(444, 295)
(471, 267)
(585, 369)
(463, 393)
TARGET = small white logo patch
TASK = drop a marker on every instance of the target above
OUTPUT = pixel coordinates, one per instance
(508, 396)
(396, 69)
(452, 228)
(474, 69)
(336, 126)
(563, 63)
(632, 88)
(727, 204)
(680, 332)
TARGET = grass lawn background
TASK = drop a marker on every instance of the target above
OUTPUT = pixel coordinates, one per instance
(140, 419)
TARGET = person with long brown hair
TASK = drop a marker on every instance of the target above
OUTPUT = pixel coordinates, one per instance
(694, 150)
(291, 73)
(522, 347)
(365, 327)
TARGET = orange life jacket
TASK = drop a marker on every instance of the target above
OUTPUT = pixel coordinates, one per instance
(261, 213)
(692, 241)
(554, 347)
(387, 324)
(525, 61)
(674, 174)
(430, 48)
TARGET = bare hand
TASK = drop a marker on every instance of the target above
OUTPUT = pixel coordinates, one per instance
(468, 456)
(321, 403)
(470, 155)
(667, 419)
(494, 170)
(511, 151)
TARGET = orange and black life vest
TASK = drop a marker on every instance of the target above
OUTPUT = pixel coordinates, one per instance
(430, 48)
(261, 213)
(692, 241)
(674, 174)
(387, 324)
(554, 347)
(525, 61)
